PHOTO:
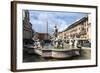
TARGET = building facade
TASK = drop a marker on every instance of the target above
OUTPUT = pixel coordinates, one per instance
(80, 30)
(27, 26)
(41, 36)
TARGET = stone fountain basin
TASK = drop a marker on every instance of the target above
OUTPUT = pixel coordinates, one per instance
(57, 53)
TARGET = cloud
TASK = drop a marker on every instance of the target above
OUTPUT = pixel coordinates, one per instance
(62, 20)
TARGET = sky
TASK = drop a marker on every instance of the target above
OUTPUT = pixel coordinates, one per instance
(62, 20)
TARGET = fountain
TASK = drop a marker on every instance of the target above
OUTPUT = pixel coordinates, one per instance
(57, 49)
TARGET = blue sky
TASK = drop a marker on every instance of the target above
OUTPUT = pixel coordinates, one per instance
(62, 20)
